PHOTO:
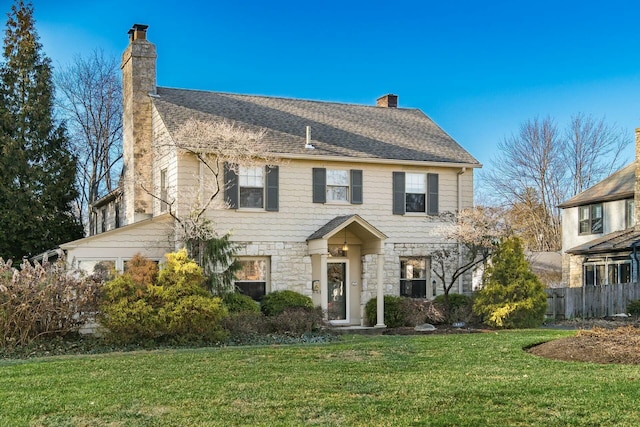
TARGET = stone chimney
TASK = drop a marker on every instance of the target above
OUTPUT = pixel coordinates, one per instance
(636, 193)
(388, 101)
(138, 83)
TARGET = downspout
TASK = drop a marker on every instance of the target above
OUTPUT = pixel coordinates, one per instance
(460, 279)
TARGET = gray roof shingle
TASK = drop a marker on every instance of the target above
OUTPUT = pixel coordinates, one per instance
(613, 242)
(617, 186)
(344, 130)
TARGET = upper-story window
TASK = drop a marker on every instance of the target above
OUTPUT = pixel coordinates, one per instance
(164, 193)
(103, 220)
(337, 185)
(591, 219)
(415, 192)
(630, 219)
(251, 187)
(251, 183)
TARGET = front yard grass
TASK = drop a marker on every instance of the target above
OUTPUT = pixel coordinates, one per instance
(443, 380)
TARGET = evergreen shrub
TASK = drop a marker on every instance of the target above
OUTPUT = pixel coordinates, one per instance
(512, 296)
(394, 316)
(278, 301)
(237, 302)
(633, 308)
(178, 307)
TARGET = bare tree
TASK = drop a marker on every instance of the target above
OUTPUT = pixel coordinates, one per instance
(90, 101)
(214, 144)
(472, 235)
(540, 167)
(592, 150)
(218, 146)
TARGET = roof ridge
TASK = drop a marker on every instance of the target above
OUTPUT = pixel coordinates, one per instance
(290, 98)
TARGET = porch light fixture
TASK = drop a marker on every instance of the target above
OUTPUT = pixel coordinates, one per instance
(345, 247)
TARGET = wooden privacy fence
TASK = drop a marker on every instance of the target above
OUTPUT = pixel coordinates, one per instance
(590, 301)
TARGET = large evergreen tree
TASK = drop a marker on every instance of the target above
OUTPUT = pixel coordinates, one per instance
(37, 170)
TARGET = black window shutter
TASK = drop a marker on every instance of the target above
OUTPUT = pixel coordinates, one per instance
(319, 185)
(356, 187)
(399, 202)
(230, 186)
(271, 193)
(432, 194)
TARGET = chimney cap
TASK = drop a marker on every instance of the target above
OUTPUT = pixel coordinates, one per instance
(387, 101)
(138, 31)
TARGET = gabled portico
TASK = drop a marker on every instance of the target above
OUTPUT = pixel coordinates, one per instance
(337, 250)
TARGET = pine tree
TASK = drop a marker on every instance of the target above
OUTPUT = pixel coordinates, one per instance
(512, 296)
(37, 170)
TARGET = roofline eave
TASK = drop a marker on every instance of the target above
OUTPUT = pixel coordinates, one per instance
(375, 160)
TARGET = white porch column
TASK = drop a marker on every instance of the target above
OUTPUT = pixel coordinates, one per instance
(323, 285)
(380, 296)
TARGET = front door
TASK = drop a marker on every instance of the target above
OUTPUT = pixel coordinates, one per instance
(337, 291)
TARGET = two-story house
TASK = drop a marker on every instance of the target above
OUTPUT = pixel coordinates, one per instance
(600, 230)
(343, 218)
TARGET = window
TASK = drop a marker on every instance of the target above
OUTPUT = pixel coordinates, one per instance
(413, 277)
(163, 191)
(591, 219)
(251, 184)
(607, 272)
(252, 278)
(117, 215)
(251, 187)
(103, 220)
(335, 185)
(415, 192)
(631, 213)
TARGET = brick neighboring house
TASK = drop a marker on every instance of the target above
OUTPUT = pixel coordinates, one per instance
(601, 230)
(374, 177)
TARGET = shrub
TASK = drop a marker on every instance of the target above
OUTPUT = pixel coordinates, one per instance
(244, 323)
(393, 313)
(296, 320)
(142, 271)
(237, 302)
(418, 311)
(512, 296)
(633, 308)
(460, 308)
(292, 321)
(177, 308)
(278, 301)
(42, 301)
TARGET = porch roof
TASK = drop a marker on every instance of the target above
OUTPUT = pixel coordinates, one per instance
(617, 241)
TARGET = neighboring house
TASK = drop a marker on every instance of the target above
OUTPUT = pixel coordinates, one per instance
(600, 231)
(343, 221)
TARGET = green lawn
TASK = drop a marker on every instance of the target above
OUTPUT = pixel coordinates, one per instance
(462, 380)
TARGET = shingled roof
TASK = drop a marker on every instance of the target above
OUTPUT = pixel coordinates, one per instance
(342, 130)
(617, 186)
(613, 242)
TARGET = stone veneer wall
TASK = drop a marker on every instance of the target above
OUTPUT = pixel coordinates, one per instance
(290, 264)
(572, 270)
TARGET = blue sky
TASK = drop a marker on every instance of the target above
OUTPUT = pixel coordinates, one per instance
(478, 68)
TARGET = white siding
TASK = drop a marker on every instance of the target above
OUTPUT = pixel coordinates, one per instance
(298, 217)
(614, 215)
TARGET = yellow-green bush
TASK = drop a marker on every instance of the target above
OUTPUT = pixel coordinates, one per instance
(177, 307)
(511, 296)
